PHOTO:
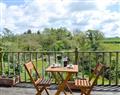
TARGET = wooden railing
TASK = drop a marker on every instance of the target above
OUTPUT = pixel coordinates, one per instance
(11, 63)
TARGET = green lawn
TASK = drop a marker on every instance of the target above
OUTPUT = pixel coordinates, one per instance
(111, 47)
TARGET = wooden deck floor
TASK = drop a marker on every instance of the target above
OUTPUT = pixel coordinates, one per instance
(29, 90)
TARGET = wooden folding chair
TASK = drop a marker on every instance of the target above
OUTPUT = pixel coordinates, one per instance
(39, 83)
(85, 85)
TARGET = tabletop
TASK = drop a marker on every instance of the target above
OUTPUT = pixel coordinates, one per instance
(63, 69)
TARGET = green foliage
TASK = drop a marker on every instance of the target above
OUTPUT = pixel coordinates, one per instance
(88, 40)
(57, 39)
(94, 36)
(81, 41)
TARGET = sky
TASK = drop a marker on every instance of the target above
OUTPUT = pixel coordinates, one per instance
(21, 15)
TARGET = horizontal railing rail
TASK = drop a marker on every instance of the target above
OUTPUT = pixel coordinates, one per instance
(11, 63)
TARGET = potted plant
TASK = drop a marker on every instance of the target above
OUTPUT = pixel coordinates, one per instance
(9, 80)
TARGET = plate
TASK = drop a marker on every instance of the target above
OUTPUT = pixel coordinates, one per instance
(55, 65)
(71, 66)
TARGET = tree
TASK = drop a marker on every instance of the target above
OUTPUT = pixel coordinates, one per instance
(29, 42)
(55, 39)
(38, 32)
(7, 32)
(81, 41)
(29, 31)
(94, 36)
(8, 40)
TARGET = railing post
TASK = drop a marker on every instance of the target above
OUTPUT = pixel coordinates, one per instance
(76, 56)
(0, 63)
(116, 71)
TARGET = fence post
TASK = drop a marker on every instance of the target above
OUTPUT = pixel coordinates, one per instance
(76, 56)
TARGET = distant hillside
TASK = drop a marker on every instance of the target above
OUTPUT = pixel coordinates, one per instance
(115, 40)
(111, 44)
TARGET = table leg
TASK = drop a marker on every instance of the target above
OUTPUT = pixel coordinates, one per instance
(62, 85)
(58, 80)
(66, 83)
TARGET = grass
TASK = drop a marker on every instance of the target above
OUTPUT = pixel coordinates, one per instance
(111, 44)
(111, 40)
(111, 47)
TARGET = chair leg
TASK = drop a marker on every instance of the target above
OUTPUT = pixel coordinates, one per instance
(46, 91)
(64, 92)
(38, 93)
(85, 94)
(81, 93)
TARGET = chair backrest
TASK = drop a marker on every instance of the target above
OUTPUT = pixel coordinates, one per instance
(30, 67)
(96, 73)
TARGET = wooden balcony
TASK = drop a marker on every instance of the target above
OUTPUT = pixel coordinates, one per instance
(11, 63)
(28, 89)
